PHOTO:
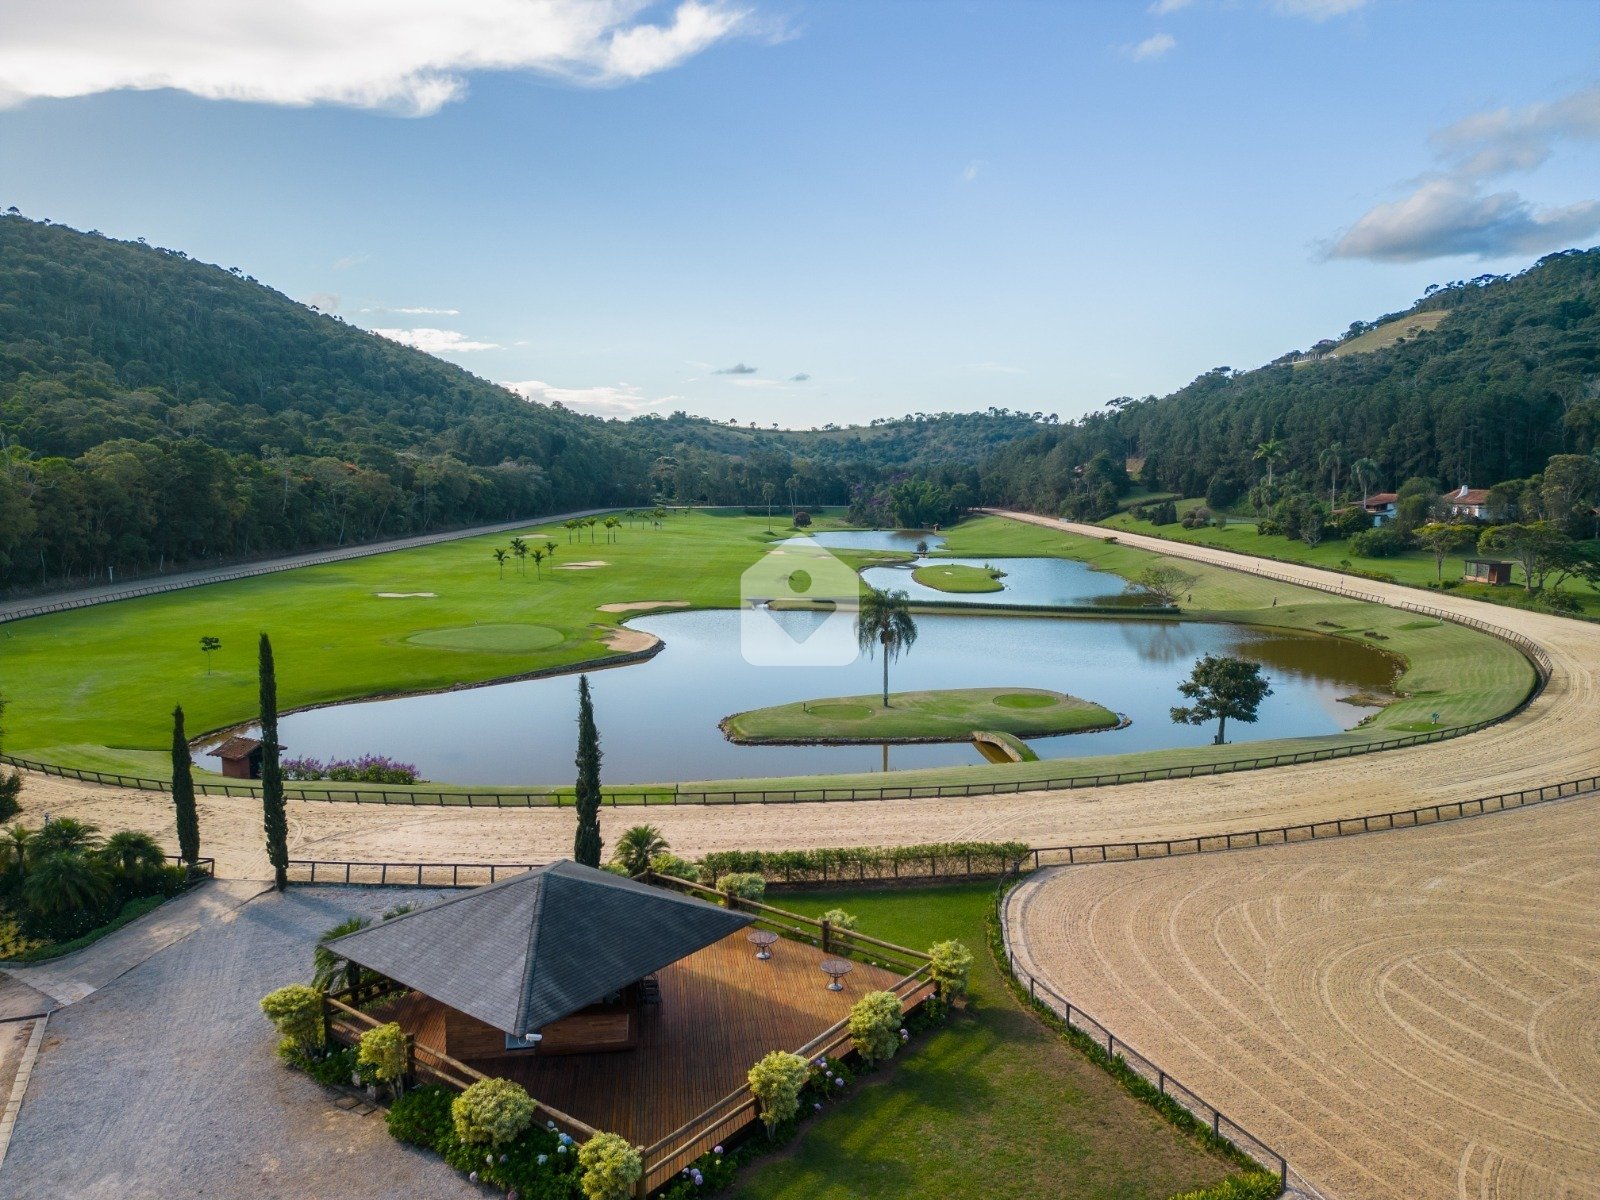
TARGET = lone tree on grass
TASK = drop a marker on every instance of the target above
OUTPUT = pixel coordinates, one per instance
(273, 817)
(183, 792)
(1167, 583)
(500, 557)
(207, 646)
(884, 619)
(586, 844)
(1222, 687)
(1439, 538)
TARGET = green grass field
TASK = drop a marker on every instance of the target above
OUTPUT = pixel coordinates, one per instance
(951, 714)
(959, 578)
(993, 1105)
(93, 688)
(1413, 567)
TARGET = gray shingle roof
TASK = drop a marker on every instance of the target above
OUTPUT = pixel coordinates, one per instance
(526, 951)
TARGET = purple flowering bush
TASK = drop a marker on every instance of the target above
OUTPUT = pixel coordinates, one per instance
(369, 768)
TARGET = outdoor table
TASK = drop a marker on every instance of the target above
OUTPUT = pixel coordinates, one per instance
(763, 938)
(836, 969)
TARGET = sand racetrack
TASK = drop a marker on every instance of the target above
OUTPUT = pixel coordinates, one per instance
(1406, 1014)
(1556, 738)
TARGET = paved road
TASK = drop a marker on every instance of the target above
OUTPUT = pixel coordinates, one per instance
(13, 610)
(164, 1082)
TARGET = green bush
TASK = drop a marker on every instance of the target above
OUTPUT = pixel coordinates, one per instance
(1252, 1185)
(385, 1051)
(875, 1026)
(868, 862)
(776, 1081)
(296, 1010)
(539, 1165)
(422, 1117)
(677, 868)
(1383, 542)
(492, 1112)
(745, 885)
(610, 1167)
(952, 964)
(839, 919)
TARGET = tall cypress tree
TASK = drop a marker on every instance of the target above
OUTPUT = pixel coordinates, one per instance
(183, 792)
(273, 818)
(586, 845)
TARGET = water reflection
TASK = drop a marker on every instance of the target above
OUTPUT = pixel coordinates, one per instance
(1054, 581)
(658, 720)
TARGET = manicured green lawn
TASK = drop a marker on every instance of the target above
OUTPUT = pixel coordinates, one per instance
(94, 688)
(992, 1107)
(1413, 567)
(957, 577)
(950, 714)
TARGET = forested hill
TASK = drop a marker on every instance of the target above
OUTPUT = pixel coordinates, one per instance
(155, 411)
(1508, 377)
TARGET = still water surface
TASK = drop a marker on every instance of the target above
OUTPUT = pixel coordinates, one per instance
(658, 719)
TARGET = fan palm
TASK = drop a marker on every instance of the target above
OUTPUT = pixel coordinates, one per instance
(14, 845)
(884, 619)
(636, 847)
(329, 971)
(133, 856)
(65, 834)
(65, 882)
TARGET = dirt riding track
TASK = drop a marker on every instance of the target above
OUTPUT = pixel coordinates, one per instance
(1409, 1014)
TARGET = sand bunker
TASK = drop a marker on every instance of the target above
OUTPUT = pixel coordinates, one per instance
(583, 566)
(407, 595)
(641, 605)
(629, 640)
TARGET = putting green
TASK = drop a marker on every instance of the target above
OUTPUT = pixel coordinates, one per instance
(1026, 700)
(494, 639)
(840, 712)
(958, 577)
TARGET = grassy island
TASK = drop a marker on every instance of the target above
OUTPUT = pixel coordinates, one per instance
(947, 715)
(957, 577)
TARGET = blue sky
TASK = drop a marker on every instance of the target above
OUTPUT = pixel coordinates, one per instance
(914, 205)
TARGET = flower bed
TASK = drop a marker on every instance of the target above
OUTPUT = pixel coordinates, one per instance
(369, 768)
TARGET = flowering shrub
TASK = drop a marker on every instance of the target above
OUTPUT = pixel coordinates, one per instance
(540, 1165)
(369, 768)
(776, 1081)
(384, 1050)
(610, 1167)
(492, 1112)
(951, 966)
(746, 885)
(875, 1026)
(839, 919)
(1251, 1185)
(296, 1010)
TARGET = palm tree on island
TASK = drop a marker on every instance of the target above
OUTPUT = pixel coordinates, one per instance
(884, 619)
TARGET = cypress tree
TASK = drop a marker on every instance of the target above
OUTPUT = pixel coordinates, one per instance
(586, 845)
(273, 818)
(10, 787)
(183, 792)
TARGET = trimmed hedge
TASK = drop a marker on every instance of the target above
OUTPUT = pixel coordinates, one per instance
(868, 862)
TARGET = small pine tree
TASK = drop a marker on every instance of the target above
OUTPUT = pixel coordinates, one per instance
(586, 844)
(273, 818)
(183, 792)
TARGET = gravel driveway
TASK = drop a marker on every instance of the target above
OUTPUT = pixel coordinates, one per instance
(164, 1084)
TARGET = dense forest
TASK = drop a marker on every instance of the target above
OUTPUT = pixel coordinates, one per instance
(157, 411)
(1508, 378)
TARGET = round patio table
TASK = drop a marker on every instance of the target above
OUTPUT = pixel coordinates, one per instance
(763, 939)
(836, 969)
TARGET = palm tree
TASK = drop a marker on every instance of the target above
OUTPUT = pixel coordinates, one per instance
(571, 527)
(520, 549)
(65, 835)
(590, 522)
(14, 846)
(1270, 452)
(500, 557)
(1330, 460)
(636, 847)
(538, 557)
(1365, 471)
(766, 494)
(612, 525)
(64, 882)
(132, 856)
(550, 549)
(884, 619)
(329, 971)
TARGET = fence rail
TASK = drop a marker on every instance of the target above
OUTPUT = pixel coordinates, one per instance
(1166, 1084)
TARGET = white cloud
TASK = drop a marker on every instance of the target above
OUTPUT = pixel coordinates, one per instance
(1152, 48)
(1445, 218)
(415, 312)
(326, 301)
(407, 56)
(1318, 10)
(1162, 7)
(339, 264)
(971, 171)
(621, 400)
(1448, 213)
(435, 341)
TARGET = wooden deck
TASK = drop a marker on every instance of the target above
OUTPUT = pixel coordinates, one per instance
(721, 1010)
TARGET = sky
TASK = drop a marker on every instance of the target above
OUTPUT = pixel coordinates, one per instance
(803, 211)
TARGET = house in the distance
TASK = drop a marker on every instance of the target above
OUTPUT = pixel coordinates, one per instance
(1471, 503)
(1380, 507)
